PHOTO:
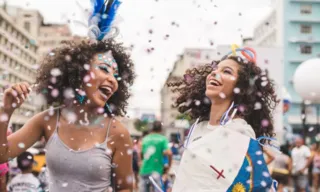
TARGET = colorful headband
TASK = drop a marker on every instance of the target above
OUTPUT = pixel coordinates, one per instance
(247, 52)
(102, 19)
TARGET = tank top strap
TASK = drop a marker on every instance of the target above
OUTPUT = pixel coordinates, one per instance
(58, 120)
(108, 128)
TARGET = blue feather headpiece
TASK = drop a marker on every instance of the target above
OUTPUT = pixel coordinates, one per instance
(102, 17)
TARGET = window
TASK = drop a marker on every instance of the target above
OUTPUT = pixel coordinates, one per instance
(307, 29)
(306, 9)
(305, 49)
(26, 25)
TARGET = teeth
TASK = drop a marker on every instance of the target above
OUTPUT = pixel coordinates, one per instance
(109, 89)
(105, 91)
(103, 94)
(213, 83)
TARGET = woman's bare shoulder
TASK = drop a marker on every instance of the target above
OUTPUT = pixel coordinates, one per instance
(118, 129)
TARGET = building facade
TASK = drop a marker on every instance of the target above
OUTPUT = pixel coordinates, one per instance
(301, 41)
(269, 31)
(293, 26)
(24, 39)
(18, 56)
(51, 35)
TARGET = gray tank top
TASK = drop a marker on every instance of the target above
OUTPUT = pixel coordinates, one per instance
(80, 171)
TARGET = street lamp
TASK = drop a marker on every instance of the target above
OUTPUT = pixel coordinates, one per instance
(306, 81)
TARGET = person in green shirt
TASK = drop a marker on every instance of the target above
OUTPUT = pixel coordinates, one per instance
(155, 149)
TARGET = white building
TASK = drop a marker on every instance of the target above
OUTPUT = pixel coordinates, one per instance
(51, 35)
(17, 58)
(269, 31)
(24, 38)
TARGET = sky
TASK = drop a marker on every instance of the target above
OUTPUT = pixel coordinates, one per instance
(145, 23)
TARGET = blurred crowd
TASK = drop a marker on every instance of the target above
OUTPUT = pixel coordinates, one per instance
(297, 168)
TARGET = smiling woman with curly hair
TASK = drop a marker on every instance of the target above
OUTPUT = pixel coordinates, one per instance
(233, 94)
(89, 82)
(207, 92)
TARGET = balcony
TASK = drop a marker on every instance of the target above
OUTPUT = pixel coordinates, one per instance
(305, 1)
(310, 40)
(18, 44)
(304, 20)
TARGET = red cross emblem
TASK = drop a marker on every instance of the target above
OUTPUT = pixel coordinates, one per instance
(220, 173)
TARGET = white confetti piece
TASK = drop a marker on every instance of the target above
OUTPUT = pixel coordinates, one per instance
(21, 145)
(257, 106)
(263, 183)
(64, 184)
(4, 117)
(236, 90)
(222, 95)
(55, 72)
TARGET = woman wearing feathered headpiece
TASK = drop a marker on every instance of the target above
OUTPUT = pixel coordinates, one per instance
(87, 148)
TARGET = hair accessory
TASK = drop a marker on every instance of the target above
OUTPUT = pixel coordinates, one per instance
(102, 19)
(247, 52)
(233, 48)
(270, 145)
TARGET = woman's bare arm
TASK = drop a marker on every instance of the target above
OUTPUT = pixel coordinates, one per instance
(270, 156)
(20, 140)
(122, 158)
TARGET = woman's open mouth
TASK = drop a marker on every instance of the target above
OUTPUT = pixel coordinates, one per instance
(105, 91)
(214, 82)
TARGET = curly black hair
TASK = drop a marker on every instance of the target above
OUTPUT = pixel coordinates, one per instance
(70, 59)
(255, 89)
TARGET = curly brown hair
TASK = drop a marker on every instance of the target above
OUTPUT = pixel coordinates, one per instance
(255, 89)
(70, 60)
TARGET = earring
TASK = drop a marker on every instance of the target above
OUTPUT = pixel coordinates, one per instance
(80, 98)
(107, 107)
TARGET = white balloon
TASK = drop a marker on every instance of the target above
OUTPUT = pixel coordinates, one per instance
(306, 80)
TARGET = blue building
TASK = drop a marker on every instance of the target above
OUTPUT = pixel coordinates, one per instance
(301, 41)
(294, 27)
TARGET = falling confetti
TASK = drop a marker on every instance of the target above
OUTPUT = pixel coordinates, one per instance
(265, 123)
(55, 72)
(222, 95)
(21, 145)
(257, 106)
(236, 90)
(311, 129)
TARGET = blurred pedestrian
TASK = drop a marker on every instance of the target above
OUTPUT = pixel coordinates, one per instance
(301, 159)
(316, 168)
(43, 178)
(282, 167)
(25, 181)
(3, 176)
(154, 148)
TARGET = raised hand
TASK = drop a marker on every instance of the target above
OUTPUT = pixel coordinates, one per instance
(14, 96)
